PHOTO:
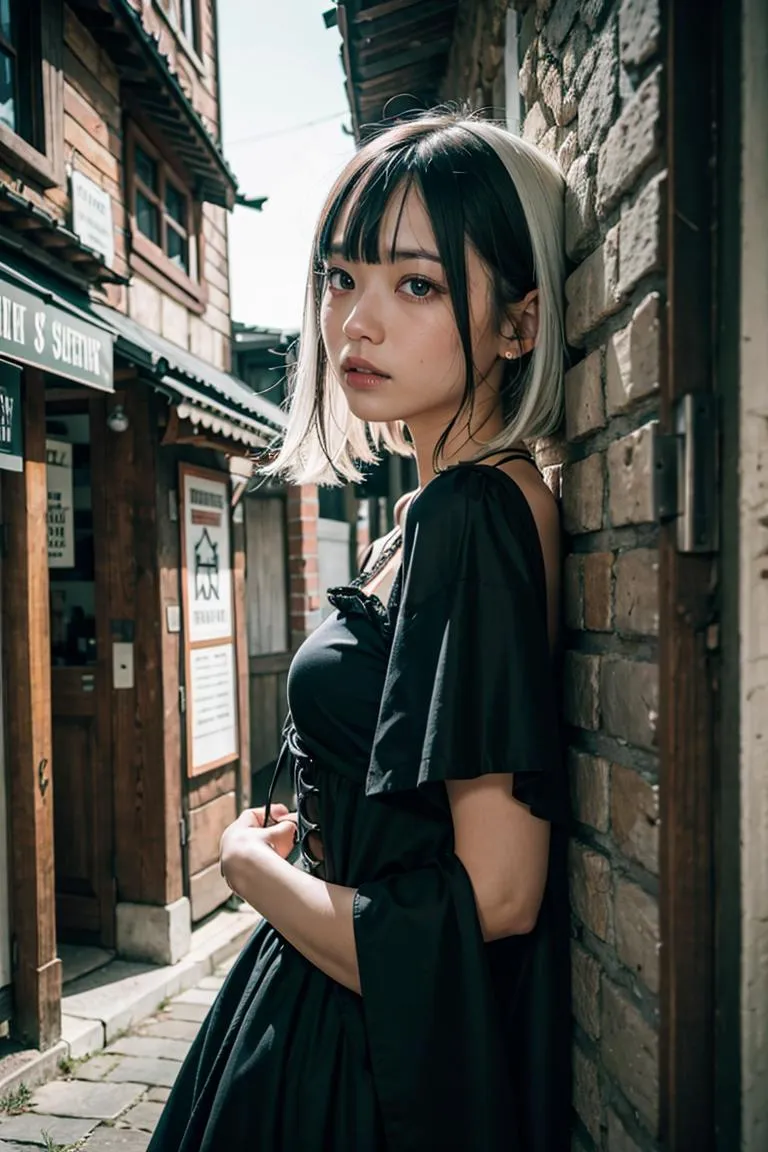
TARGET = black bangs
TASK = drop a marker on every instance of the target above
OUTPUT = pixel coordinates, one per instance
(365, 198)
(469, 197)
(468, 194)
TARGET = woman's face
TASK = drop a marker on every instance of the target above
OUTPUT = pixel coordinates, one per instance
(389, 329)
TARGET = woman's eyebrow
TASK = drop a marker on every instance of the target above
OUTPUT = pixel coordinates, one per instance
(398, 254)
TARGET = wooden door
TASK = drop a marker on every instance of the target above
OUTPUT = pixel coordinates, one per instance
(80, 672)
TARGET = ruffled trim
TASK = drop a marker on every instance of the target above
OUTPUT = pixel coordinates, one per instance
(352, 601)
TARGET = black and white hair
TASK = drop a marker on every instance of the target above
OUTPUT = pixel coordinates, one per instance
(482, 185)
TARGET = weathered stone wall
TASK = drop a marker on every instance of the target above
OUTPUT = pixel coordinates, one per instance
(590, 82)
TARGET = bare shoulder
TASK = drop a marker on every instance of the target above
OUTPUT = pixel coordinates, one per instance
(547, 517)
(542, 503)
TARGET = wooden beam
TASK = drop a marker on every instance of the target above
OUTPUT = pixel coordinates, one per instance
(171, 762)
(240, 590)
(400, 61)
(687, 613)
(390, 7)
(146, 788)
(27, 674)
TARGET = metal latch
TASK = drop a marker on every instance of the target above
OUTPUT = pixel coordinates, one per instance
(685, 473)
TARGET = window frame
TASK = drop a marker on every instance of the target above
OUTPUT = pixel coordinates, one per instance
(192, 45)
(42, 160)
(146, 257)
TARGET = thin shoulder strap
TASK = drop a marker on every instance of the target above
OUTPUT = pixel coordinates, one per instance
(518, 454)
(366, 556)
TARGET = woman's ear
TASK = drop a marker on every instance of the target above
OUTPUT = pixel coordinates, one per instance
(520, 328)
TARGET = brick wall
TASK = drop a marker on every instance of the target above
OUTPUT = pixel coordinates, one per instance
(303, 572)
(590, 85)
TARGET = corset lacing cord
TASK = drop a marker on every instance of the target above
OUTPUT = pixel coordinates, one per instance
(302, 765)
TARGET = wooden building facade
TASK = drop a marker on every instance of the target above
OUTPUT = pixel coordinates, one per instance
(124, 439)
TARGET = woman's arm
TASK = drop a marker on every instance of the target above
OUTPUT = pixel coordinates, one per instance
(505, 851)
(502, 846)
(314, 916)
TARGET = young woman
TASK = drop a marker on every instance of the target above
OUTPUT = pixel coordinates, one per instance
(407, 989)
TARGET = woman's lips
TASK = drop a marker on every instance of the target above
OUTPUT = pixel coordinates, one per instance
(364, 380)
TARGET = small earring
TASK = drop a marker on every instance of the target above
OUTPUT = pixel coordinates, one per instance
(508, 355)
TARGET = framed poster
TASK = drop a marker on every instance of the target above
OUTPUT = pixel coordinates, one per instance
(209, 625)
(61, 515)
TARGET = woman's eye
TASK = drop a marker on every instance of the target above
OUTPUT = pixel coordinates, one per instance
(339, 280)
(418, 288)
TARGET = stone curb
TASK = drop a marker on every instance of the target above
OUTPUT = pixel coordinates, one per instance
(88, 1028)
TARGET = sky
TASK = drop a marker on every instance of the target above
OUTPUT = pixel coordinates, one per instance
(280, 70)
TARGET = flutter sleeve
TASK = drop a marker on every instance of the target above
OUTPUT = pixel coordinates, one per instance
(470, 690)
(470, 687)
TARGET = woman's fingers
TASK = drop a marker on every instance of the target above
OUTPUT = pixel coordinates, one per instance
(278, 811)
(254, 817)
(282, 836)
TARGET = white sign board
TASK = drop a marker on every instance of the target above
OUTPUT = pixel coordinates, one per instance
(92, 216)
(61, 519)
(209, 625)
(214, 708)
(208, 574)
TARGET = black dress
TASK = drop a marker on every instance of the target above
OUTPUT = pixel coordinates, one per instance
(454, 1044)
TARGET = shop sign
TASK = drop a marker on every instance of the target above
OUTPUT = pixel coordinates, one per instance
(11, 449)
(34, 331)
(209, 639)
(61, 517)
(92, 216)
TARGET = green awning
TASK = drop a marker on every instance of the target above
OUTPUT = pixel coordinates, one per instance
(204, 394)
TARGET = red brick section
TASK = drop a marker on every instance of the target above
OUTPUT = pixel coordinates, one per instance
(304, 589)
(590, 83)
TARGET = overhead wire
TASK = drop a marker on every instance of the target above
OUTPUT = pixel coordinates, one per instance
(285, 131)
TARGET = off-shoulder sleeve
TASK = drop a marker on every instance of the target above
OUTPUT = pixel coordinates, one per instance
(470, 687)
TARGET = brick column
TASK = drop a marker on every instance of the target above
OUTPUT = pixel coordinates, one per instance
(303, 572)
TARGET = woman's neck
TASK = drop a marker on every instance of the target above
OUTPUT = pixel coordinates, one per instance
(464, 443)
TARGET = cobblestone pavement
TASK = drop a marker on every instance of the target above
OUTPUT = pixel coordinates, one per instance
(111, 1101)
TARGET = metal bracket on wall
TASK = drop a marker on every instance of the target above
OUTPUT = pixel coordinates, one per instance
(686, 471)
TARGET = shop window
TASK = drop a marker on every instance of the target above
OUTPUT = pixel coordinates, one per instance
(31, 88)
(71, 562)
(165, 222)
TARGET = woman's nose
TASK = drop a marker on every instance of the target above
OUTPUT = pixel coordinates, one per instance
(363, 322)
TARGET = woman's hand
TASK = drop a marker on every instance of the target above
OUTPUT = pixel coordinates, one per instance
(248, 835)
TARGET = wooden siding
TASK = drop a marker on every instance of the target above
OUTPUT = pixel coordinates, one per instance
(93, 134)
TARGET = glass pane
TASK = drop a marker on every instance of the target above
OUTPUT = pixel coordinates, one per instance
(176, 204)
(6, 30)
(71, 562)
(146, 168)
(178, 250)
(147, 218)
(7, 91)
(188, 20)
